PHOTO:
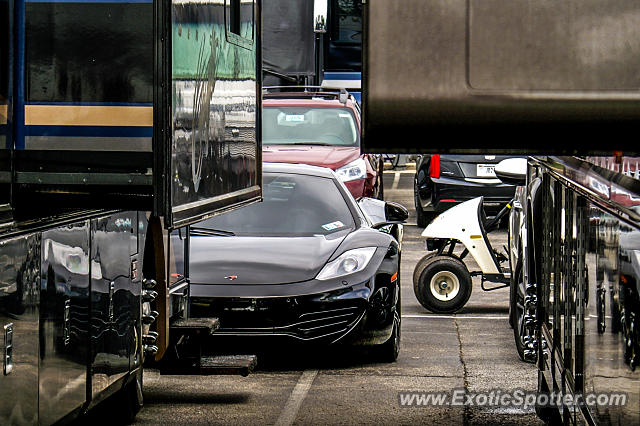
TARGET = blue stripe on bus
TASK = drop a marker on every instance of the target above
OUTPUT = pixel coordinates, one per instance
(342, 75)
(95, 131)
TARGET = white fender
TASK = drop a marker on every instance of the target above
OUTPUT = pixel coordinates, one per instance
(461, 222)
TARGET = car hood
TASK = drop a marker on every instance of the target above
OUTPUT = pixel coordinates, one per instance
(332, 157)
(259, 260)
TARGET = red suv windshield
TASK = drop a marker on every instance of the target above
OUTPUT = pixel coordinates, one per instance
(283, 125)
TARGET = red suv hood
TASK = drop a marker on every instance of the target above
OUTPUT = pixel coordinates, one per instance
(332, 157)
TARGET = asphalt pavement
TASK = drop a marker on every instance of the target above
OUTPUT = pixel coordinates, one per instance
(464, 353)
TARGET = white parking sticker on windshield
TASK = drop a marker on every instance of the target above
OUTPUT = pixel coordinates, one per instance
(333, 225)
(294, 118)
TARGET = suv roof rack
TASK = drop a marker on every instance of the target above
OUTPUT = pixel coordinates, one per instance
(306, 92)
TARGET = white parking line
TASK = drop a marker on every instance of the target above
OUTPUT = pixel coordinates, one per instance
(404, 172)
(396, 179)
(290, 411)
(491, 317)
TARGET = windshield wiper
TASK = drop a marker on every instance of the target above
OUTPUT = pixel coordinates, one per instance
(203, 232)
(311, 143)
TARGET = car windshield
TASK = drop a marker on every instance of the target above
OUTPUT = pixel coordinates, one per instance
(306, 125)
(293, 206)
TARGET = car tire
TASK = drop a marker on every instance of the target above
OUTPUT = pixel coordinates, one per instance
(422, 218)
(380, 178)
(389, 350)
(516, 314)
(435, 272)
(422, 263)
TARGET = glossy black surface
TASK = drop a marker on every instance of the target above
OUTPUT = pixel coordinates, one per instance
(4, 50)
(19, 305)
(75, 335)
(5, 137)
(64, 326)
(89, 75)
(115, 304)
(81, 52)
(267, 285)
(215, 151)
(344, 44)
(592, 337)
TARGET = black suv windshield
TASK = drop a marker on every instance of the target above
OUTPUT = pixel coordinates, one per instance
(293, 206)
(307, 125)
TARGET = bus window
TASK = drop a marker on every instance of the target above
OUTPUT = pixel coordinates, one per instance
(346, 21)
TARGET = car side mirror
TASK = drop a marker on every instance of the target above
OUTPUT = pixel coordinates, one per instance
(395, 212)
(383, 213)
(512, 171)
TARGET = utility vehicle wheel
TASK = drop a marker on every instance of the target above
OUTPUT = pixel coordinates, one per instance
(422, 263)
(443, 285)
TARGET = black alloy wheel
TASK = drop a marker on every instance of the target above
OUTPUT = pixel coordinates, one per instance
(516, 305)
(389, 350)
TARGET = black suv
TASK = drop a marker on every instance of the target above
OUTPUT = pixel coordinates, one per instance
(442, 181)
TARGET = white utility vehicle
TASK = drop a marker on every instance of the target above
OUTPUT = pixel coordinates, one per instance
(441, 280)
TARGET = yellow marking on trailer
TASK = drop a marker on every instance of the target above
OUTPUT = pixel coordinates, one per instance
(4, 112)
(475, 237)
(88, 115)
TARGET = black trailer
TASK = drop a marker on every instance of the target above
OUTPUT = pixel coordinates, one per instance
(582, 287)
(121, 123)
(538, 78)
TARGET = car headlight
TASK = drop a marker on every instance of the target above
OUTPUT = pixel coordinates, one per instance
(349, 262)
(356, 169)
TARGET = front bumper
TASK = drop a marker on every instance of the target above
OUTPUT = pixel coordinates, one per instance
(360, 314)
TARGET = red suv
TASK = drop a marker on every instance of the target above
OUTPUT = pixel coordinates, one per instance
(322, 129)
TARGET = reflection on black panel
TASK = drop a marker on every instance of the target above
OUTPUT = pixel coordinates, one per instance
(214, 151)
(345, 45)
(612, 332)
(4, 53)
(64, 320)
(96, 52)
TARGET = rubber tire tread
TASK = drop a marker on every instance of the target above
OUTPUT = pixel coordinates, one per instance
(421, 284)
(513, 295)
